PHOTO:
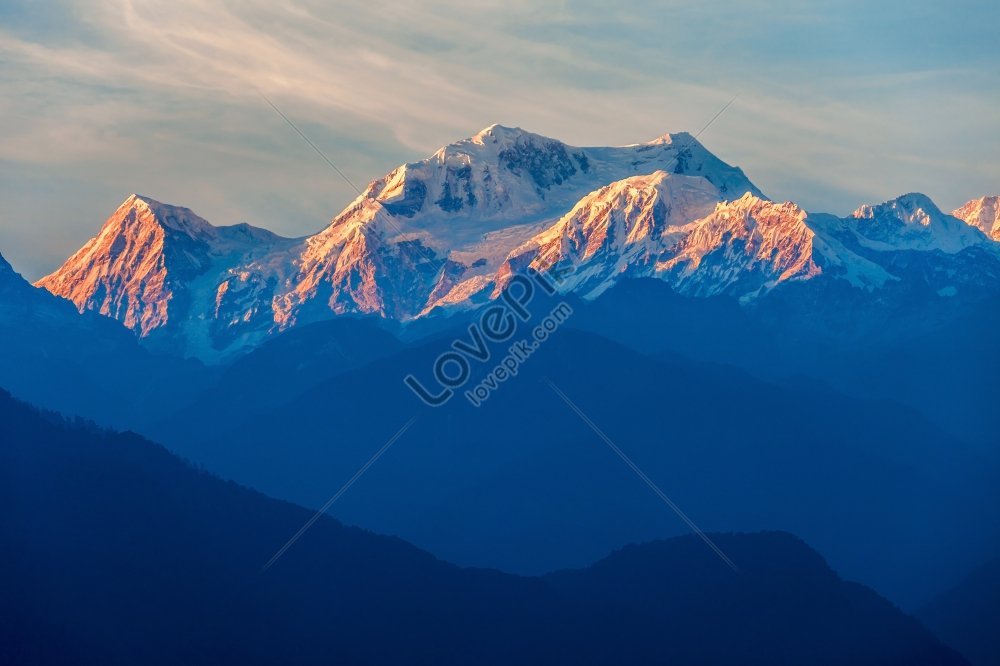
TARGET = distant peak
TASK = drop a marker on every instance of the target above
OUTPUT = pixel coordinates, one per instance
(670, 138)
(911, 207)
(9, 276)
(750, 196)
(499, 134)
(750, 200)
(144, 206)
(989, 201)
(915, 199)
(982, 213)
(496, 129)
(139, 210)
(139, 199)
(657, 179)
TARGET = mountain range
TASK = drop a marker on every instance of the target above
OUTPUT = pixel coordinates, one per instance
(117, 552)
(521, 484)
(83, 363)
(444, 235)
(965, 615)
(774, 370)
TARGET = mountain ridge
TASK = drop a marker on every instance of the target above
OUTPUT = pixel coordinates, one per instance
(141, 266)
(130, 548)
(520, 483)
(445, 234)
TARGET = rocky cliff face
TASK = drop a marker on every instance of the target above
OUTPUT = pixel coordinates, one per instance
(162, 269)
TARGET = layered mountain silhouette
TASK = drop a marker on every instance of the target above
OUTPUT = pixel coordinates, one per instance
(83, 364)
(300, 414)
(118, 552)
(771, 368)
(933, 354)
(966, 615)
(522, 484)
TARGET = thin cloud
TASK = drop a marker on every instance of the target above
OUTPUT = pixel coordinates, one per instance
(162, 96)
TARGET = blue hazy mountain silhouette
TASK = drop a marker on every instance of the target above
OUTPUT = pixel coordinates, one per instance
(937, 355)
(966, 615)
(522, 484)
(84, 364)
(118, 552)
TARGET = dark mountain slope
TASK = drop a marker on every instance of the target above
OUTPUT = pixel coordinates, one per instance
(281, 367)
(116, 552)
(87, 364)
(522, 484)
(968, 615)
(620, 586)
(936, 354)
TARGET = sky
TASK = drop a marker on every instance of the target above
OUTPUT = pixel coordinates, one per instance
(837, 103)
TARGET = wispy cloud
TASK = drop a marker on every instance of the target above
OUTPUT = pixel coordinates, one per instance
(836, 105)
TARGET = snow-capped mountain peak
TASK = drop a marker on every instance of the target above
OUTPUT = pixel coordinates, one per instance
(671, 138)
(450, 230)
(742, 247)
(454, 217)
(502, 173)
(142, 210)
(619, 230)
(138, 209)
(982, 213)
(913, 222)
(500, 134)
(912, 208)
(676, 228)
(124, 271)
(151, 263)
(626, 212)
